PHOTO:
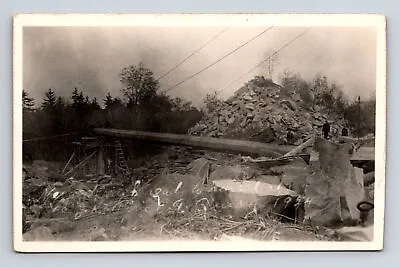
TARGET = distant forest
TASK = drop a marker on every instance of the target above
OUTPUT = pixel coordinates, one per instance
(141, 106)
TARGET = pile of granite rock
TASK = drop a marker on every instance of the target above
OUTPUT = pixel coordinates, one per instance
(263, 113)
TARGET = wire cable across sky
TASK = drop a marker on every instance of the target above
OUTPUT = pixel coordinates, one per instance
(259, 64)
(218, 60)
(50, 137)
(192, 54)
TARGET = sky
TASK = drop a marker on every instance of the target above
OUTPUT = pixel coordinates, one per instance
(90, 58)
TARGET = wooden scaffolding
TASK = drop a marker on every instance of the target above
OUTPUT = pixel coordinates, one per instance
(97, 156)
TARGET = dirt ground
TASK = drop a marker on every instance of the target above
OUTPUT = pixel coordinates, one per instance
(109, 228)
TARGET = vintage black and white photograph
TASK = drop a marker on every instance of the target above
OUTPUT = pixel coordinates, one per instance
(199, 132)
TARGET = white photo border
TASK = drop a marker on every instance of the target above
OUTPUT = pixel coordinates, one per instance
(201, 20)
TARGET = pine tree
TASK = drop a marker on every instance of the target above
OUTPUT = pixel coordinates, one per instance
(59, 116)
(94, 105)
(28, 103)
(108, 101)
(81, 99)
(49, 101)
(75, 97)
(78, 100)
(79, 109)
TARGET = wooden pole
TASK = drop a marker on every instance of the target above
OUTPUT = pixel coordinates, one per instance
(300, 148)
(217, 144)
(100, 162)
(69, 161)
(359, 117)
(115, 165)
(81, 164)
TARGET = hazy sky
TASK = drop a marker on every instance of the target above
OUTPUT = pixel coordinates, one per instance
(91, 58)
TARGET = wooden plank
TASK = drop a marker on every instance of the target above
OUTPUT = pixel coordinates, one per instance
(300, 148)
(361, 140)
(69, 161)
(364, 154)
(100, 163)
(268, 163)
(81, 164)
(89, 138)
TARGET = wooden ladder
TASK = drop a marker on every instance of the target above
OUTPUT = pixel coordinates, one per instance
(120, 158)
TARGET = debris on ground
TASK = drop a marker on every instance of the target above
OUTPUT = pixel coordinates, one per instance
(209, 195)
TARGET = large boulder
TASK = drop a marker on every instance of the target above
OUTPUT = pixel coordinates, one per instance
(171, 193)
(334, 188)
(200, 168)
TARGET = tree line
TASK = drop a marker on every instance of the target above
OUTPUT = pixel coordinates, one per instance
(140, 107)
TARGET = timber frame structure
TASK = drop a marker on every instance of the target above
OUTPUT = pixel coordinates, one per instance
(106, 148)
(106, 152)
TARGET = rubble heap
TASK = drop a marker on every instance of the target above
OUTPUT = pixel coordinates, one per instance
(205, 195)
(260, 111)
